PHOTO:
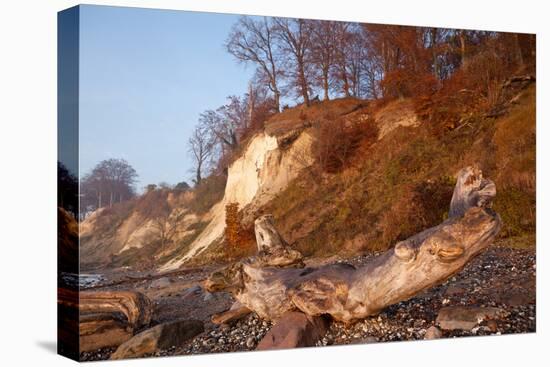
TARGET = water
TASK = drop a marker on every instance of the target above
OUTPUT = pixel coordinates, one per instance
(82, 280)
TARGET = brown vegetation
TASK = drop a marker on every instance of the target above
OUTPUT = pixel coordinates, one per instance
(401, 184)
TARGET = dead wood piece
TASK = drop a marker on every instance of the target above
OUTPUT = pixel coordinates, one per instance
(471, 190)
(234, 314)
(272, 248)
(110, 318)
(135, 306)
(346, 293)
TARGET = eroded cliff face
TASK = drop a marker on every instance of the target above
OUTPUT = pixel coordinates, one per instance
(268, 163)
(110, 240)
(253, 179)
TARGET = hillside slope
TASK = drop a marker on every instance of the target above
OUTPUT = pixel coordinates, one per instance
(385, 190)
(403, 182)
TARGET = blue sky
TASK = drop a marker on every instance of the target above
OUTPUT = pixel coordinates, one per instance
(145, 76)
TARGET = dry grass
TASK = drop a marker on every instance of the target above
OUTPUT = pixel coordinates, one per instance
(207, 193)
(301, 115)
(403, 184)
(515, 143)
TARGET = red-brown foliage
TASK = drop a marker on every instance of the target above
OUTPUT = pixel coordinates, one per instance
(337, 140)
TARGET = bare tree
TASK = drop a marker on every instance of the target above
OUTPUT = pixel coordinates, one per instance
(295, 38)
(356, 54)
(109, 182)
(201, 146)
(168, 225)
(253, 41)
(343, 41)
(323, 47)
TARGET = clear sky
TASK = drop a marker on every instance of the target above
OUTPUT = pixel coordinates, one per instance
(145, 76)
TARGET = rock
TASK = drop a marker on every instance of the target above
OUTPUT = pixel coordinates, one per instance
(293, 330)
(432, 332)
(455, 290)
(465, 318)
(492, 325)
(160, 283)
(250, 342)
(516, 298)
(160, 337)
(365, 340)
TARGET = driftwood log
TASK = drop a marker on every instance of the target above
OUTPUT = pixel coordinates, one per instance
(234, 314)
(275, 281)
(109, 319)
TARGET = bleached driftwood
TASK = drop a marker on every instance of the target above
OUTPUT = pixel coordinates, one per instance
(348, 293)
(272, 248)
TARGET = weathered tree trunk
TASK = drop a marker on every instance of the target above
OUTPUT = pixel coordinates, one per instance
(348, 293)
(108, 318)
(272, 248)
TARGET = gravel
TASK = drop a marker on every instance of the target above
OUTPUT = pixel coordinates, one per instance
(499, 277)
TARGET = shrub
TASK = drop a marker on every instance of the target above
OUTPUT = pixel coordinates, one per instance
(238, 239)
(517, 210)
(336, 141)
(232, 225)
(207, 193)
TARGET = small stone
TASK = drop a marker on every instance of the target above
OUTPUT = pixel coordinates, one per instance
(465, 318)
(225, 327)
(250, 342)
(432, 332)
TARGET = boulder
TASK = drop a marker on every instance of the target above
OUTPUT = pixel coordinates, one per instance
(465, 318)
(160, 337)
(293, 330)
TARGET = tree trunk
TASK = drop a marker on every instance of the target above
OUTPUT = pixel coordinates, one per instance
(462, 38)
(303, 82)
(107, 318)
(347, 293)
(198, 177)
(345, 82)
(277, 97)
(325, 84)
(251, 104)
